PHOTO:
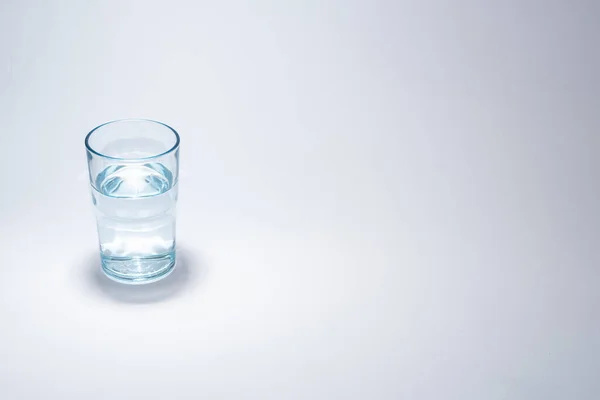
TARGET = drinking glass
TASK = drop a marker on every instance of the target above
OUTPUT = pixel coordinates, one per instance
(134, 166)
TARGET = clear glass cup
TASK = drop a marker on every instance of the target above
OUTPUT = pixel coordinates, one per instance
(134, 167)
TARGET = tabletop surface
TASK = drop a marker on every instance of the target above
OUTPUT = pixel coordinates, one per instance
(377, 200)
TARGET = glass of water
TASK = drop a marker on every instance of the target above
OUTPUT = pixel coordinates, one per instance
(134, 167)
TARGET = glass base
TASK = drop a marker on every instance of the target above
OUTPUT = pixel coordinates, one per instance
(138, 270)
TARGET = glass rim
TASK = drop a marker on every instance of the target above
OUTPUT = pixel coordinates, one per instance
(173, 148)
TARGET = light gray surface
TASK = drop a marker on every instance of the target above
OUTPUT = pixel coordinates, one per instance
(377, 201)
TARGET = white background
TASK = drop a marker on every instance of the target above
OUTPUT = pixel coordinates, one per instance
(378, 200)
